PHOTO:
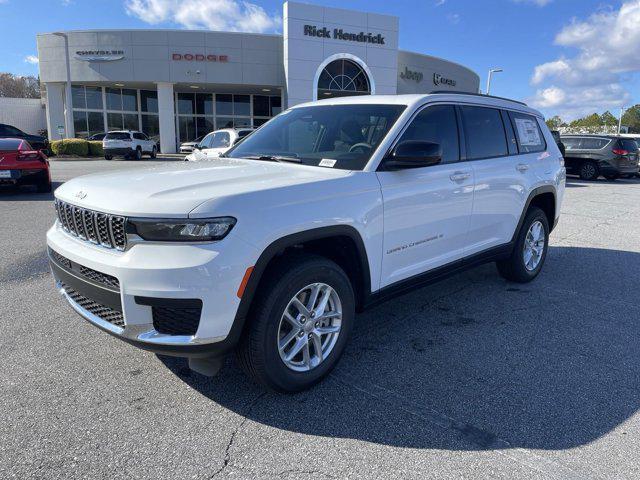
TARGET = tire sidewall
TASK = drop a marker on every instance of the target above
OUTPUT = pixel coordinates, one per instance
(589, 177)
(138, 154)
(534, 215)
(279, 374)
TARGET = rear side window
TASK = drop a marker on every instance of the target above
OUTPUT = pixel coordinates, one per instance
(528, 133)
(484, 130)
(593, 143)
(436, 124)
(138, 136)
(117, 136)
(572, 143)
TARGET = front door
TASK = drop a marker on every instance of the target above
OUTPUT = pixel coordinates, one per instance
(427, 210)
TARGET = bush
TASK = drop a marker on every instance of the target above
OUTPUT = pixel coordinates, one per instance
(95, 148)
(70, 146)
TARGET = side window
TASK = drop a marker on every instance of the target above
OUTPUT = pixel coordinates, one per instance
(138, 136)
(485, 132)
(436, 124)
(572, 143)
(528, 133)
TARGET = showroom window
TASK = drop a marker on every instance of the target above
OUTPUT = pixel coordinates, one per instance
(149, 120)
(88, 117)
(122, 109)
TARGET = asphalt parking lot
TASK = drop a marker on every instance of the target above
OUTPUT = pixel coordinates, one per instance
(470, 378)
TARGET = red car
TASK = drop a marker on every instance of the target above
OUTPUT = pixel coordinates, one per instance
(20, 164)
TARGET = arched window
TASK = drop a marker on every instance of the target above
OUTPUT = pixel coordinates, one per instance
(342, 78)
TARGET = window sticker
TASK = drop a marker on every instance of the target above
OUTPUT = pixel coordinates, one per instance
(327, 162)
(528, 132)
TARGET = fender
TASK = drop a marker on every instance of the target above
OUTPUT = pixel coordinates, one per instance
(534, 193)
(278, 246)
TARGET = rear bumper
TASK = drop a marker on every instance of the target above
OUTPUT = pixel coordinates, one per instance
(22, 176)
(118, 152)
(607, 168)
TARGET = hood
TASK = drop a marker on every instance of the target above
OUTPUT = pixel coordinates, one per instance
(175, 189)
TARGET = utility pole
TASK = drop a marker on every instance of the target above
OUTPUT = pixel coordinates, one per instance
(620, 120)
(491, 72)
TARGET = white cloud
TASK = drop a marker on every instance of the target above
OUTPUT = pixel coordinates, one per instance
(453, 18)
(608, 49)
(32, 59)
(439, 3)
(539, 3)
(232, 15)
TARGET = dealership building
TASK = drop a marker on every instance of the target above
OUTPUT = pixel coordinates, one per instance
(180, 84)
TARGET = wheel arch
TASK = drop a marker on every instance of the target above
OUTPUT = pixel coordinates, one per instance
(543, 197)
(347, 250)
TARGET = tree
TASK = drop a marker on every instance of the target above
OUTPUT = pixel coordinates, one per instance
(554, 123)
(608, 119)
(631, 118)
(16, 86)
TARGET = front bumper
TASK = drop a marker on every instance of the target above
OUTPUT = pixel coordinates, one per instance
(148, 272)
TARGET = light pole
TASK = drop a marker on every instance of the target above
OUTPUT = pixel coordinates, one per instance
(68, 108)
(491, 72)
(620, 119)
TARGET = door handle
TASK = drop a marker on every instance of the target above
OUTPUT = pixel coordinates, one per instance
(459, 176)
(522, 167)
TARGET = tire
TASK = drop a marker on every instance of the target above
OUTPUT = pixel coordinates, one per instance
(44, 186)
(137, 154)
(589, 171)
(514, 268)
(108, 157)
(258, 352)
(154, 153)
(612, 178)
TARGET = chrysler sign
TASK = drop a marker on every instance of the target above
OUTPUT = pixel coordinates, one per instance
(99, 55)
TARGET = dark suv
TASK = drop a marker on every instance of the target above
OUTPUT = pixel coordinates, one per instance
(590, 156)
(36, 141)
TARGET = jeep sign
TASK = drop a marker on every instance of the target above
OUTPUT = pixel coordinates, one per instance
(411, 75)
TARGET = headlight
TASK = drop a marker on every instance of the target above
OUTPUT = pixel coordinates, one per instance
(183, 230)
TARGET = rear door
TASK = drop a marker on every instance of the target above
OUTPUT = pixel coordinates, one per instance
(629, 146)
(427, 210)
(117, 140)
(502, 175)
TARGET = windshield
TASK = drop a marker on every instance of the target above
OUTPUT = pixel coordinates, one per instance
(338, 136)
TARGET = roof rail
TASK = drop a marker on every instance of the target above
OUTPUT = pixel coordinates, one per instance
(478, 95)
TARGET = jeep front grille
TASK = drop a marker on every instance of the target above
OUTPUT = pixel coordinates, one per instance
(98, 228)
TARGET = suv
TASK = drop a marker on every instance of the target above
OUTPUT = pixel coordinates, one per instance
(128, 144)
(590, 156)
(324, 211)
(37, 142)
(217, 143)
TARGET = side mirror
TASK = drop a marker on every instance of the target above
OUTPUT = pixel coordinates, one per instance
(413, 154)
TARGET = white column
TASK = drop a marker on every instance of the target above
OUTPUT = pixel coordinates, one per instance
(166, 117)
(55, 109)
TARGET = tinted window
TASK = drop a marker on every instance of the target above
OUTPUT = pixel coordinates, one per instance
(9, 145)
(571, 143)
(528, 133)
(436, 124)
(485, 132)
(244, 133)
(117, 136)
(9, 130)
(593, 143)
(333, 136)
(138, 136)
(629, 145)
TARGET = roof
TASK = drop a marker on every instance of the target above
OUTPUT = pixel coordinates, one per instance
(418, 99)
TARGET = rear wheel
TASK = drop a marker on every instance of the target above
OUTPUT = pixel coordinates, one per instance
(108, 157)
(138, 154)
(154, 153)
(589, 171)
(530, 249)
(299, 325)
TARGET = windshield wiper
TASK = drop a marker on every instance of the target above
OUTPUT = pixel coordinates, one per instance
(273, 158)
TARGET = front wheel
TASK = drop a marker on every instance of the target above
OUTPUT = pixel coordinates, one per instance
(530, 249)
(299, 325)
(138, 154)
(154, 152)
(108, 157)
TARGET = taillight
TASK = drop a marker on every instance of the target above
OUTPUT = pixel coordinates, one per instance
(28, 155)
(619, 151)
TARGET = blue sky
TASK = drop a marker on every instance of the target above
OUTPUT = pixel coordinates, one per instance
(569, 57)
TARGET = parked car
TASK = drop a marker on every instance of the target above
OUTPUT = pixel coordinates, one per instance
(590, 156)
(636, 137)
(326, 210)
(21, 164)
(36, 142)
(97, 137)
(128, 144)
(556, 137)
(187, 147)
(217, 143)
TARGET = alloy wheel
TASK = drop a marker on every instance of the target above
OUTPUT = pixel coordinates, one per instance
(534, 244)
(309, 327)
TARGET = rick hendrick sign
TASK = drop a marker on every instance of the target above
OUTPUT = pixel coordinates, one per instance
(339, 34)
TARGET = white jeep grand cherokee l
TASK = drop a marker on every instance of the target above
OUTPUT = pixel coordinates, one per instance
(323, 211)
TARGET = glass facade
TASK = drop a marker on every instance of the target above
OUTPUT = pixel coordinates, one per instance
(100, 109)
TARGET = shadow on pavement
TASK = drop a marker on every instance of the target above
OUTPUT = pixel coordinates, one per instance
(474, 363)
(27, 193)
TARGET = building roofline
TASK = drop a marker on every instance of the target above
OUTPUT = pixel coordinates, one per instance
(441, 59)
(104, 30)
